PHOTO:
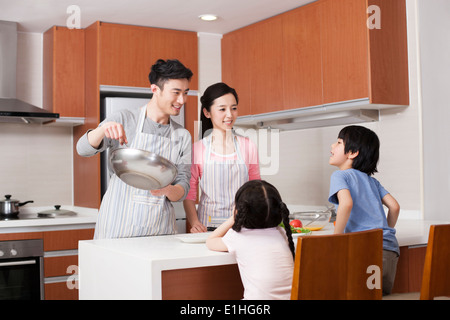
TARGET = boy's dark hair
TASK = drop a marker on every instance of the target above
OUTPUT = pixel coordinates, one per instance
(258, 205)
(212, 93)
(162, 71)
(366, 142)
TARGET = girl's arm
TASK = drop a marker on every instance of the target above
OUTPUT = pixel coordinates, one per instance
(393, 209)
(214, 241)
(343, 211)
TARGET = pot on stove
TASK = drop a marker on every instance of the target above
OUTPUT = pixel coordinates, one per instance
(10, 207)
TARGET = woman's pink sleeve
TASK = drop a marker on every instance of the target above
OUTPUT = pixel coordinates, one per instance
(197, 156)
(253, 166)
(250, 152)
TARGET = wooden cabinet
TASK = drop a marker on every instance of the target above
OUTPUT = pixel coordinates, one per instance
(61, 262)
(122, 55)
(236, 48)
(301, 56)
(360, 61)
(126, 53)
(63, 71)
(344, 50)
(324, 52)
(410, 269)
(60, 252)
(251, 64)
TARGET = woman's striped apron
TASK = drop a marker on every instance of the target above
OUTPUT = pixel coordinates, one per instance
(219, 184)
(126, 211)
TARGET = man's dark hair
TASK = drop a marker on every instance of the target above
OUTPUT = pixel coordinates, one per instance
(164, 70)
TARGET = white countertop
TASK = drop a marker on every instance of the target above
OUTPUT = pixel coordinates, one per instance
(409, 232)
(85, 218)
(144, 259)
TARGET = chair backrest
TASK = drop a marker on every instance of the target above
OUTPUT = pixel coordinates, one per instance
(436, 271)
(337, 267)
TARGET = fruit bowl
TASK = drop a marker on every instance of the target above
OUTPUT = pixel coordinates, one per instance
(312, 220)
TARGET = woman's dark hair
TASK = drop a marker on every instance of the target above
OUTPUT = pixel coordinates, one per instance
(366, 142)
(212, 93)
(162, 71)
(258, 205)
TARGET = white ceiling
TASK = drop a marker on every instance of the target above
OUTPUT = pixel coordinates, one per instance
(40, 15)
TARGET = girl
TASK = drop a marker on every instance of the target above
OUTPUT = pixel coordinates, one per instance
(221, 161)
(360, 197)
(264, 251)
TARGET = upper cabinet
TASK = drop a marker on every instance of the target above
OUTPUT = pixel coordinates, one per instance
(63, 72)
(326, 52)
(301, 57)
(126, 53)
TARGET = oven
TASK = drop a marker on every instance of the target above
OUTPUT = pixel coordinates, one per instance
(22, 270)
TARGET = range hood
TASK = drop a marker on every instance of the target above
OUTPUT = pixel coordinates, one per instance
(12, 109)
(333, 114)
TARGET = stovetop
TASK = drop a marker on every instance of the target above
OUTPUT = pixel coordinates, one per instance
(21, 216)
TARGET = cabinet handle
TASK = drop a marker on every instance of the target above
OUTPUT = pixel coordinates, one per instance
(17, 263)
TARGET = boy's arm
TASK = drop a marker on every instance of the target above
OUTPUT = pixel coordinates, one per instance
(393, 209)
(344, 209)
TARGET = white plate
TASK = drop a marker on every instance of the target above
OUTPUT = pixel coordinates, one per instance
(296, 235)
(193, 237)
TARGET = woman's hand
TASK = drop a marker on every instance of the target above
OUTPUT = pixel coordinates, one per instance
(198, 227)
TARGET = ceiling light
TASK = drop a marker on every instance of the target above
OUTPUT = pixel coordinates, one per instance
(208, 17)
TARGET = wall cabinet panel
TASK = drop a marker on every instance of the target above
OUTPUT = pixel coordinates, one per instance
(325, 52)
(64, 71)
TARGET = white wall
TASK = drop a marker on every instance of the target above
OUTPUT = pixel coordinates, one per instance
(434, 37)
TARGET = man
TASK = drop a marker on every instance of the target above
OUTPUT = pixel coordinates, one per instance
(126, 211)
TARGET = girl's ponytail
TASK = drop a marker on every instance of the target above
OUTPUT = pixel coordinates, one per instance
(285, 216)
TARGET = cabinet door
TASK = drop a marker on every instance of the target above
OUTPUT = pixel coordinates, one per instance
(266, 66)
(344, 50)
(128, 52)
(64, 71)
(236, 66)
(302, 58)
(66, 239)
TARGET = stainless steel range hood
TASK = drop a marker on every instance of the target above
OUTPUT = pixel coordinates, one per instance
(12, 109)
(333, 114)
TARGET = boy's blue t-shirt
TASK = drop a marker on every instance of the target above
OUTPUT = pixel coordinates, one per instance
(367, 212)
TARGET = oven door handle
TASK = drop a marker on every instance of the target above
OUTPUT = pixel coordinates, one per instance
(17, 263)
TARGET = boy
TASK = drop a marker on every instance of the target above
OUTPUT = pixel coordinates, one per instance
(361, 197)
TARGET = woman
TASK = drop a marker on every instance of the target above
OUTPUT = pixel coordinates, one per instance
(222, 161)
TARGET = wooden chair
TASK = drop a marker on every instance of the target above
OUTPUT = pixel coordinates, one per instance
(436, 271)
(338, 267)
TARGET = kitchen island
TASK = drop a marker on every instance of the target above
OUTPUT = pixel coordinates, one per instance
(165, 267)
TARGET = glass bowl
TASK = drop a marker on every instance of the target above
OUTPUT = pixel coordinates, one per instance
(312, 220)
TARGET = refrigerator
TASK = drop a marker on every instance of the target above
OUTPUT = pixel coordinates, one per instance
(110, 105)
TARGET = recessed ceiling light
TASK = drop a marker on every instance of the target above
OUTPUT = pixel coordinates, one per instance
(208, 17)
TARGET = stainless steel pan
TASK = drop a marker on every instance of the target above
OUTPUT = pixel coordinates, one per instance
(142, 169)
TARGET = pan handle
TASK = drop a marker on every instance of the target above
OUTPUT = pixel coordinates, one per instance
(23, 203)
